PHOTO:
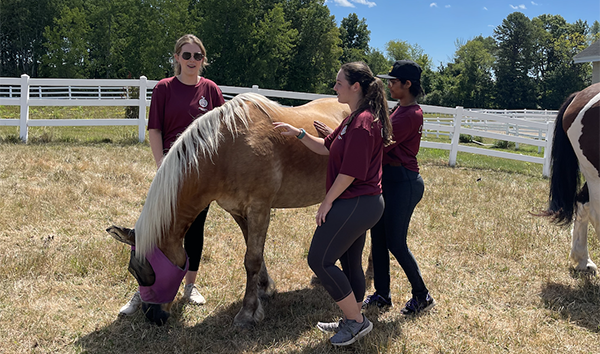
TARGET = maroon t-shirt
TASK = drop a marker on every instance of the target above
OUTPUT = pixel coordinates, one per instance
(407, 124)
(175, 105)
(356, 150)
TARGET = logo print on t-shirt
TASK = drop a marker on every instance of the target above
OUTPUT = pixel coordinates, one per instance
(203, 103)
(343, 132)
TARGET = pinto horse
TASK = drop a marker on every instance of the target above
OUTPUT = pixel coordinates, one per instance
(232, 155)
(575, 150)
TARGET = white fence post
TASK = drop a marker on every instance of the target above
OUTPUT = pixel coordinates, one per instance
(142, 109)
(455, 136)
(24, 107)
(548, 148)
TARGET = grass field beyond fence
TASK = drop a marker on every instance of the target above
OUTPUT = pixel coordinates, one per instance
(501, 277)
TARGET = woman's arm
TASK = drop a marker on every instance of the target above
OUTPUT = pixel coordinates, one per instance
(341, 183)
(156, 144)
(312, 142)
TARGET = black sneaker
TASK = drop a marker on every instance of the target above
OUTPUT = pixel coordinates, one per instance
(377, 300)
(414, 306)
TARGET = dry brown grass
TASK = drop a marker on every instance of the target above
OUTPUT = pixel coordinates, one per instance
(500, 276)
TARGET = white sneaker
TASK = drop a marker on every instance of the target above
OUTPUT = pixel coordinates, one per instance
(132, 306)
(191, 294)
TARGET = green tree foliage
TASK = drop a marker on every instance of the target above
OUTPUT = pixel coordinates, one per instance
(67, 50)
(556, 74)
(22, 24)
(515, 87)
(355, 38)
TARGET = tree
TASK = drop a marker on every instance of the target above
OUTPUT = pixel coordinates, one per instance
(22, 24)
(474, 63)
(273, 42)
(67, 51)
(355, 38)
(315, 57)
(556, 43)
(515, 88)
(594, 32)
(378, 63)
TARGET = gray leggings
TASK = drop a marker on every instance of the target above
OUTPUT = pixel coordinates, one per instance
(342, 236)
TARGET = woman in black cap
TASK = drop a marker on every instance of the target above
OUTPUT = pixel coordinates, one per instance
(402, 190)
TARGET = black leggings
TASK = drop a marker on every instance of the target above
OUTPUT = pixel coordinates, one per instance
(193, 241)
(342, 236)
(402, 191)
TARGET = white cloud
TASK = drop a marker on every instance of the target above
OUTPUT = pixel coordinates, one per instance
(365, 2)
(534, 4)
(485, 8)
(447, 6)
(433, 4)
(349, 3)
(522, 7)
(343, 3)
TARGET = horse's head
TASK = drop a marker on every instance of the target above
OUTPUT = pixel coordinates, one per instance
(157, 289)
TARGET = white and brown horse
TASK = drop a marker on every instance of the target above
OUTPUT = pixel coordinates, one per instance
(231, 155)
(575, 150)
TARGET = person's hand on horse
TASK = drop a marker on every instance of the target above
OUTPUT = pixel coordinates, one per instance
(287, 129)
(322, 128)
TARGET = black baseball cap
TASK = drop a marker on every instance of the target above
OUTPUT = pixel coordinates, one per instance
(404, 69)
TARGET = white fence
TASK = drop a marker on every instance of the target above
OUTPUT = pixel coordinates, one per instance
(526, 126)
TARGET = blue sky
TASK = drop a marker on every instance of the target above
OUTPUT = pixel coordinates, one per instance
(436, 25)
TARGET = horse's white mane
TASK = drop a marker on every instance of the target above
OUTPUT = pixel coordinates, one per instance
(197, 144)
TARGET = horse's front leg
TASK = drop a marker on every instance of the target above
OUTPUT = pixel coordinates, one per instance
(266, 285)
(257, 223)
(579, 249)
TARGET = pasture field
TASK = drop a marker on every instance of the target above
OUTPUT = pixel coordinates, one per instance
(501, 277)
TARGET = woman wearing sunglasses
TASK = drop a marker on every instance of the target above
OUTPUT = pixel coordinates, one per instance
(176, 102)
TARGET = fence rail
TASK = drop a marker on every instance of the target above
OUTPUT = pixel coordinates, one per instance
(521, 126)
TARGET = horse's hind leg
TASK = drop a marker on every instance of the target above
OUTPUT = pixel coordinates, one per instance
(579, 249)
(258, 282)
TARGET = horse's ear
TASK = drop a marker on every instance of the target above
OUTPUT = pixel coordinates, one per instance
(122, 234)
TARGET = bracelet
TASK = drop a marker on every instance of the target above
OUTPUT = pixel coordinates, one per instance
(302, 134)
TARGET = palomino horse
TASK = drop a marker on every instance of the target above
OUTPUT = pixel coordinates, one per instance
(576, 149)
(232, 155)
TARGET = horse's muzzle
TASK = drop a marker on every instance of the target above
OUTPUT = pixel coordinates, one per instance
(155, 313)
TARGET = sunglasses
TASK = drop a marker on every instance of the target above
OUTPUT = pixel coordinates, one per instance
(187, 55)
(391, 82)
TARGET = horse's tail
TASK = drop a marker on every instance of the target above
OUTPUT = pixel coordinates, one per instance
(564, 173)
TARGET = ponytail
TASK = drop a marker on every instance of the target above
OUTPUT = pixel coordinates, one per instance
(373, 99)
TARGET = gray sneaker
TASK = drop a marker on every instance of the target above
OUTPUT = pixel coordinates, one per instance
(351, 331)
(330, 327)
(132, 306)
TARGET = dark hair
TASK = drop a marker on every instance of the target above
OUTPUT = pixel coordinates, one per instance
(373, 91)
(415, 88)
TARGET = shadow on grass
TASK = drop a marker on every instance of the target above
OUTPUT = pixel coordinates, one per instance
(578, 304)
(289, 326)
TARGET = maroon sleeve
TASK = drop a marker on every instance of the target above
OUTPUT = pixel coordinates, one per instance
(156, 116)
(329, 138)
(217, 97)
(358, 151)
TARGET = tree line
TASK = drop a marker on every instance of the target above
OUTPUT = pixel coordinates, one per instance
(291, 45)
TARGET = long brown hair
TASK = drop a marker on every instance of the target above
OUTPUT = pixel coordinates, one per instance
(373, 99)
(185, 39)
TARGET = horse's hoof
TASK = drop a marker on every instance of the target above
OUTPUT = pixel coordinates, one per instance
(154, 313)
(248, 319)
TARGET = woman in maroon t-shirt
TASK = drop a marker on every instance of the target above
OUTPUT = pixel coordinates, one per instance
(176, 102)
(402, 190)
(353, 202)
